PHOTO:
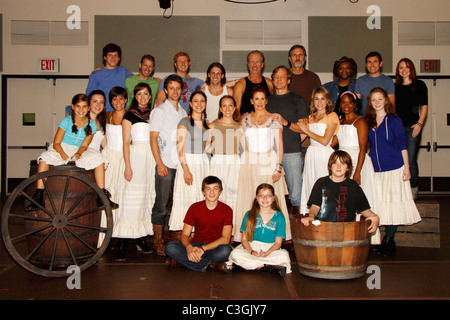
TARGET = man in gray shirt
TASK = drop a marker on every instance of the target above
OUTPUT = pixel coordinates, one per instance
(288, 108)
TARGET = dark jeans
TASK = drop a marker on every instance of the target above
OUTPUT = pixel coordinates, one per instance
(412, 144)
(178, 252)
(163, 188)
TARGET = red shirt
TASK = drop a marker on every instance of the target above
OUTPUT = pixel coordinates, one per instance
(208, 224)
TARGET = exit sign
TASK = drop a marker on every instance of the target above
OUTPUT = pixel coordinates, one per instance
(48, 65)
(433, 66)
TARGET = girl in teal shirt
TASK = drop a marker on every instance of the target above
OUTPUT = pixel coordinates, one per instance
(263, 230)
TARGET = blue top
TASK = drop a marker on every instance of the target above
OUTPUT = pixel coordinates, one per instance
(333, 88)
(387, 143)
(366, 83)
(106, 79)
(275, 227)
(189, 86)
(75, 139)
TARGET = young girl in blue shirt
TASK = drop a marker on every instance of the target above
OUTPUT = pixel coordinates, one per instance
(71, 143)
(263, 230)
(390, 161)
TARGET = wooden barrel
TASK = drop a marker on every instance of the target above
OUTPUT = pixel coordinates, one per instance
(56, 186)
(331, 250)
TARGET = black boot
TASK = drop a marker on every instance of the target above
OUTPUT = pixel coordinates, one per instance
(38, 196)
(121, 249)
(141, 245)
(389, 246)
(279, 270)
(108, 195)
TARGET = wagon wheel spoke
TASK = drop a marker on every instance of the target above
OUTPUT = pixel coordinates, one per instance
(31, 232)
(66, 188)
(54, 250)
(81, 240)
(78, 202)
(49, 196)
(82, 214)
(39, 206)
(100, 229)
(21, 216)
(39, 245)
(69, 247)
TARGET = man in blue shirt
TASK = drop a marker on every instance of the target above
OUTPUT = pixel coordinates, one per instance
(182, 63)
(110, 75)
(373, 79)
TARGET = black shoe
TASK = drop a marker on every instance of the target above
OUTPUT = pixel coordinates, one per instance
(279, 270)
(387, 246)
(122, 249)
(108, 195)
(236, 268)
(38, 196)
(141, 245)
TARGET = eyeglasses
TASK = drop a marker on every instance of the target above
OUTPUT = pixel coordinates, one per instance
(265, 196)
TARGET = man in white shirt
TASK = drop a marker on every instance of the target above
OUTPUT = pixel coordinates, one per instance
(164, 120)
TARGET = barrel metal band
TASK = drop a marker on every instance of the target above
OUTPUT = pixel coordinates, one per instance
(332, 269)
(315, 243)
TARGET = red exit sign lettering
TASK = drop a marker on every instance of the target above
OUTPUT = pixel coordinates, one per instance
(430, 65)
(48, 65)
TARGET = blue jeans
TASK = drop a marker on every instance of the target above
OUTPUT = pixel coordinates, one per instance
(163, 187)
(412, 144)
(178, 252)
(292, 164)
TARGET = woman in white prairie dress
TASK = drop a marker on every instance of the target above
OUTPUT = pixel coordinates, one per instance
(320, 127)
(352, 138)
(136, 186)
(261, 163)
(194, 163)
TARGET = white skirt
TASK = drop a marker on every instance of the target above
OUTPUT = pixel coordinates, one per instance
(90, 159)
(183, 195)
(113, 170)
(394, 199)
(133, 218)
(316, 166)
(226, 168)
(367, 185)
(257, 168)
(244, 259)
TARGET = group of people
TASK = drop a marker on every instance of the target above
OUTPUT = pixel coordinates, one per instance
(216, 160)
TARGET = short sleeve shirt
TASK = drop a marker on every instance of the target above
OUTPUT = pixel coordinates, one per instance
(338, 201)
(71, 138)
(268, 232)
(208, 223)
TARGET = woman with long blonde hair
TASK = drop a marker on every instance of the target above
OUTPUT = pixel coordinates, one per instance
(321, 126)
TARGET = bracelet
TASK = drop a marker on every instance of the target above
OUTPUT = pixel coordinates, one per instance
(419, 124)
(279, 165)
(78, 154)
(288, 124)
(251, 252)
(203, 249)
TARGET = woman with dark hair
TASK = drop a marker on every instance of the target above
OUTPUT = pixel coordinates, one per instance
(321, 126)
(136, 192)
(194, 163)
(391, 164)
(262, 162)
(352, 137)
(411, 96)
(215, 88)
(226, 138)
(344, 70)
(263, 230)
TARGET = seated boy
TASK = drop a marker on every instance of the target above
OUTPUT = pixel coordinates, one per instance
(337, 198)
(213, 221)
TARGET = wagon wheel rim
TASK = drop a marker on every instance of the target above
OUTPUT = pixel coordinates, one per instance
(59, 223)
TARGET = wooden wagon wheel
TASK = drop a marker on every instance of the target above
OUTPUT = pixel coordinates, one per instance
(70, 230)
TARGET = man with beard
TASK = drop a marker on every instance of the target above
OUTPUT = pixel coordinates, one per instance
(303, 81)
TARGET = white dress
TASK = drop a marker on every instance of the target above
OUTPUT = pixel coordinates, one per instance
(316, 163)
(113, 154)
(348, 141)
(257, 166)
(212, 103)
(185, 195)
(136, 197)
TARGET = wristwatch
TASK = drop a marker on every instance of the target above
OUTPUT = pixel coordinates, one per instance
(288, 124)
